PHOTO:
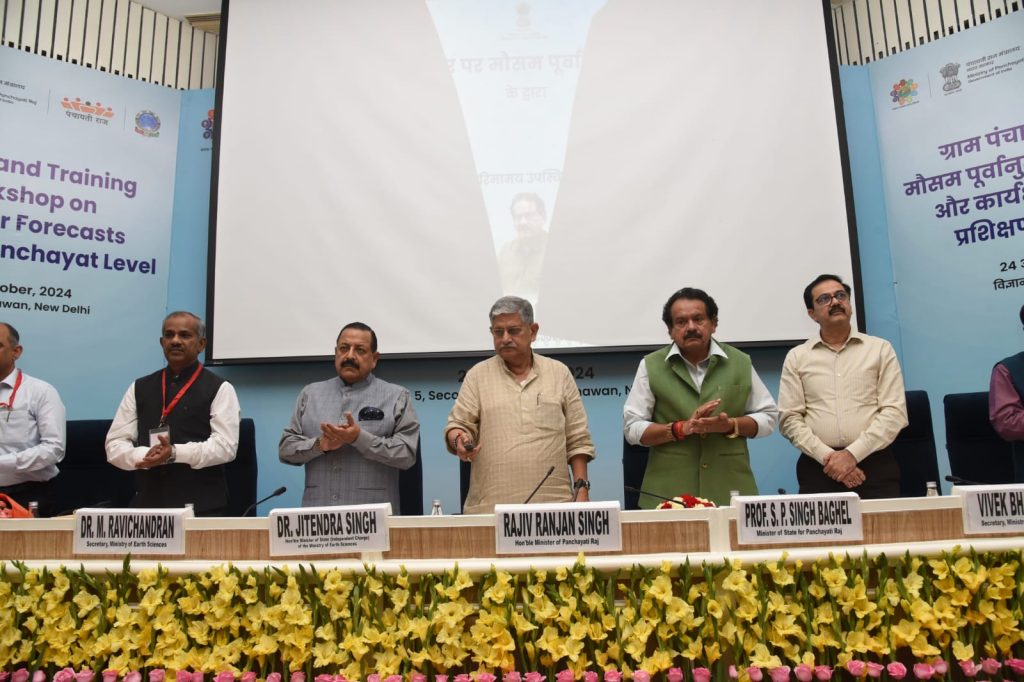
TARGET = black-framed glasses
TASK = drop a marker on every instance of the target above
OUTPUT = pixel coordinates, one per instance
(840, 296)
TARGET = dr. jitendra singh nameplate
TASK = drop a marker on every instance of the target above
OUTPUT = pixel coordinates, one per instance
(791, 519)
(329, 530)
(550, 528)
(130, 531)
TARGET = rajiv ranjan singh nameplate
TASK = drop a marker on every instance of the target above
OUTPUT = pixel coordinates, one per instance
(792, 519)
(550, 528)
(130, 531)
(992, 508)
(330, 530)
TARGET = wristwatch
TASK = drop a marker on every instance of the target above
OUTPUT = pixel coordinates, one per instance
(581, 483)
(735, 429)
(174, 455)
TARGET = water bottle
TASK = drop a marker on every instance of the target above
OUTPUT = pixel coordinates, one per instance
(435, 508)
(932, 490)
(33, 509)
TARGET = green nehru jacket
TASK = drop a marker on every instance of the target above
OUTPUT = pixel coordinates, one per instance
(711, 466)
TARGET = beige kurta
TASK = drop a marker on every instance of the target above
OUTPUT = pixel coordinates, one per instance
(522, 430)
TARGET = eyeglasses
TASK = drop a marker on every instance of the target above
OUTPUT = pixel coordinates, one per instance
(825, 299)
(499, 332)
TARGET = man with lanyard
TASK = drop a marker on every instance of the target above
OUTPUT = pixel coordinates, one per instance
(177, 427)
(1005, 407)
(31, 429)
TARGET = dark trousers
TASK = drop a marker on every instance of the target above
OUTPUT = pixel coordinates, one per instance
(31, 491)
(881, 476)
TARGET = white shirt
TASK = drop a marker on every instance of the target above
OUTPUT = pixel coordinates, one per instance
(219, 448)
(639, 406)
(32, 432)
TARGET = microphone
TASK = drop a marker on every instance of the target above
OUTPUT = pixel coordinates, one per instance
(280, 491)
(956, 480)
(644, 492)
(782, 491)
(550, 471)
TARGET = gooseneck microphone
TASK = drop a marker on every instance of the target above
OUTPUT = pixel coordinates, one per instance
(550, 471)
(280, 491)
(956, 480)
(644, 492)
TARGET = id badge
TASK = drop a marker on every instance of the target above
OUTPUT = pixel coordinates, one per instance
(154, 434)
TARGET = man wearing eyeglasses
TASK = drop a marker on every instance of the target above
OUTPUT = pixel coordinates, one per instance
(31, 428)
(842, 400)
(353, 432)
(1005, 407)
(518, 416)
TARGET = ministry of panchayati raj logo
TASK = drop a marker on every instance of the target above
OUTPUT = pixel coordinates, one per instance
(950, 72)
(147, 124)
(208, 124)
(903, 92)
(86, 110)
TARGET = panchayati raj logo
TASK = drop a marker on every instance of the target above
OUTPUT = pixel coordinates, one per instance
(87, 111)
(147, 124)
(904, 91)
(950, 72)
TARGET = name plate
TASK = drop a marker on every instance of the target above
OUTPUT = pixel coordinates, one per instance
(790, 519)
(330, 530)
(134, 531)
(992, 508)
(550, 528)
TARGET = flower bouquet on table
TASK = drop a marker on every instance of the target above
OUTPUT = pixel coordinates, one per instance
(686, 502)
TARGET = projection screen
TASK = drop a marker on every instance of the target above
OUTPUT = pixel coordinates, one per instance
(406, 162)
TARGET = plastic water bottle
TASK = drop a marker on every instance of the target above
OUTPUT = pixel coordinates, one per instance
(33, 509)
(932, 490)
(435, 508)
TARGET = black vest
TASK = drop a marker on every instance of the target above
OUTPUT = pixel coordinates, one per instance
(1015, 366)
(174, 485)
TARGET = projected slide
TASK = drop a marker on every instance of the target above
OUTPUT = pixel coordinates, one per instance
(406, 162)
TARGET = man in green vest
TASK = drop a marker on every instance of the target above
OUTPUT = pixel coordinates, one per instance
(695, 403)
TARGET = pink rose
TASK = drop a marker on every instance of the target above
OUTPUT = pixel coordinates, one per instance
(589, 676)
(249, 676)
(4, 675)
(940, 666)
(514, 676)
(481, 677)
(1016, 665)
(923, 671)
(638, 676)
(83, 675)
(109, 675)
(822, 673)
(875, 669)
(565, 675)
(779, 673)
(297, 676)
(734, 674)
(39, 676)
(701, 675)
(461, 677)
(415, 677)
(64, 675)
(21, 675)
(197, 676)
(990, 666)
(324, 677)
(674, 675)
(969, 668)
(803, 672)
(609, 676)
(274, 677)
(855, 667)
(222, 676)
(896, 670)
(755, 674)
(374, 677)
(157, 675)
(440, 678)
(133, 676)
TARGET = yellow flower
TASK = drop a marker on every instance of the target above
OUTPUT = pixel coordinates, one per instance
(661, 589)
(962, 651)
(762, 658)
(904, 632)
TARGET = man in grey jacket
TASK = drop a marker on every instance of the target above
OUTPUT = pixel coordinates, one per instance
(353, 432)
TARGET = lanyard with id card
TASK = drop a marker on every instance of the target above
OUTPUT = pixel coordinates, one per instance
(163, 429)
